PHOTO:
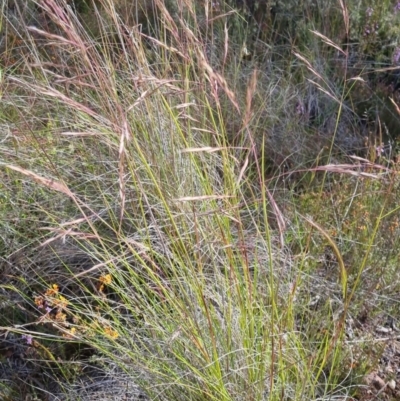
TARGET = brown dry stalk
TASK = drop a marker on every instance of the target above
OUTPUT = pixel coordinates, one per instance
(335, 249)
(328, 41)
(350, 169)
(346, 17)
(51, 92)
(251, 89)
(395, 105)
(202, 197)
(206, 149)
(47, 182)
(62, 234)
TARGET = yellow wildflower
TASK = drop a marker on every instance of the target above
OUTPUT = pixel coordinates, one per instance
(106, 279)
(52, 291)
(109, 332)
(71, 333)
(61, 302)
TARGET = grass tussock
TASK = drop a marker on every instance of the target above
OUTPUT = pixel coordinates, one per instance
(189, 207)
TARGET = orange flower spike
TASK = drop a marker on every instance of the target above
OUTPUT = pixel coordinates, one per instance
(61, 317)
(39, 301)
